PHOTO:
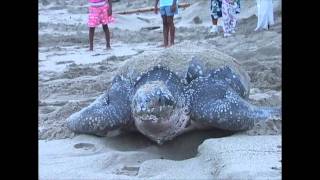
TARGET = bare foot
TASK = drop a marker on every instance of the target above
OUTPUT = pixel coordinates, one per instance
(170, 45)
(162, 45)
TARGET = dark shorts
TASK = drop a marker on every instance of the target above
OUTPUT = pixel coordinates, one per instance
(166, 11)
(216, 9)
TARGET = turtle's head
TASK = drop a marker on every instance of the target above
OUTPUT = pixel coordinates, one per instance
(156, 112)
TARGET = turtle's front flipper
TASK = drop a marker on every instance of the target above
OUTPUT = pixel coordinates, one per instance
(108, 112)
(215, 103)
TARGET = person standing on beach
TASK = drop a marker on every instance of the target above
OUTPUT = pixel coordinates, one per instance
(100, 12)
(265, 14)
(229, 8)
(168, 8)
(216, 13)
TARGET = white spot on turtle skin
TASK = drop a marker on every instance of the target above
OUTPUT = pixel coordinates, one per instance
(158, 141)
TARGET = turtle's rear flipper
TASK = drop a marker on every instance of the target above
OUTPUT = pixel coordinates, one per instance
(110, 111)
(216, 104)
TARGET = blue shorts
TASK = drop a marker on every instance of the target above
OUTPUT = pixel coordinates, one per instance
(166, 11)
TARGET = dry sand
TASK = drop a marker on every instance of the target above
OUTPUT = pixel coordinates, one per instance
(70, 78)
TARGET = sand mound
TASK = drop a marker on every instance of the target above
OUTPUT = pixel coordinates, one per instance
(177, 59)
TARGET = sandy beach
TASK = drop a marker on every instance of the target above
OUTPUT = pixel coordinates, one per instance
(71, 77)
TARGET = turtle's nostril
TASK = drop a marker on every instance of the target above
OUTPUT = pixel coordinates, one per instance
(159, 101)
(168, 101)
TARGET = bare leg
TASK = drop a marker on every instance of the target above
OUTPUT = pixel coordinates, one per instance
(165, 30)
(171, 29)
(91, 34)
(214, 21)
(173, 34)
(107, 34)
(214, 28)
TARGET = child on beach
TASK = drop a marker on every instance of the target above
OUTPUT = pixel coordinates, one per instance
(229, 8)
(215, 10)
(168, 8)
(100, 12)
(216, 13)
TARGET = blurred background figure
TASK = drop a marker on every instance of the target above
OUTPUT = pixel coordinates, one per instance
(265, 14)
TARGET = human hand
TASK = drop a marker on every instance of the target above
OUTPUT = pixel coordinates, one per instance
(173, 8)
(155, 10)
(109, 12)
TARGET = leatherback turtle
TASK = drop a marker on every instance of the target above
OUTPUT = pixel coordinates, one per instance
(166, 94)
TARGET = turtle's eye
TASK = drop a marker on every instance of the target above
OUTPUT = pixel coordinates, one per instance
(163, 101)
(147, 100)
(108, 99)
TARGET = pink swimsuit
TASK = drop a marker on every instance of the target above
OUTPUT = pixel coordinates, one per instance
(98, 13)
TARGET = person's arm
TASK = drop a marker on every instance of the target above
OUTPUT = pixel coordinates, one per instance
(174, 6)
(174, 2)
(110, 8)
(156, 7)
